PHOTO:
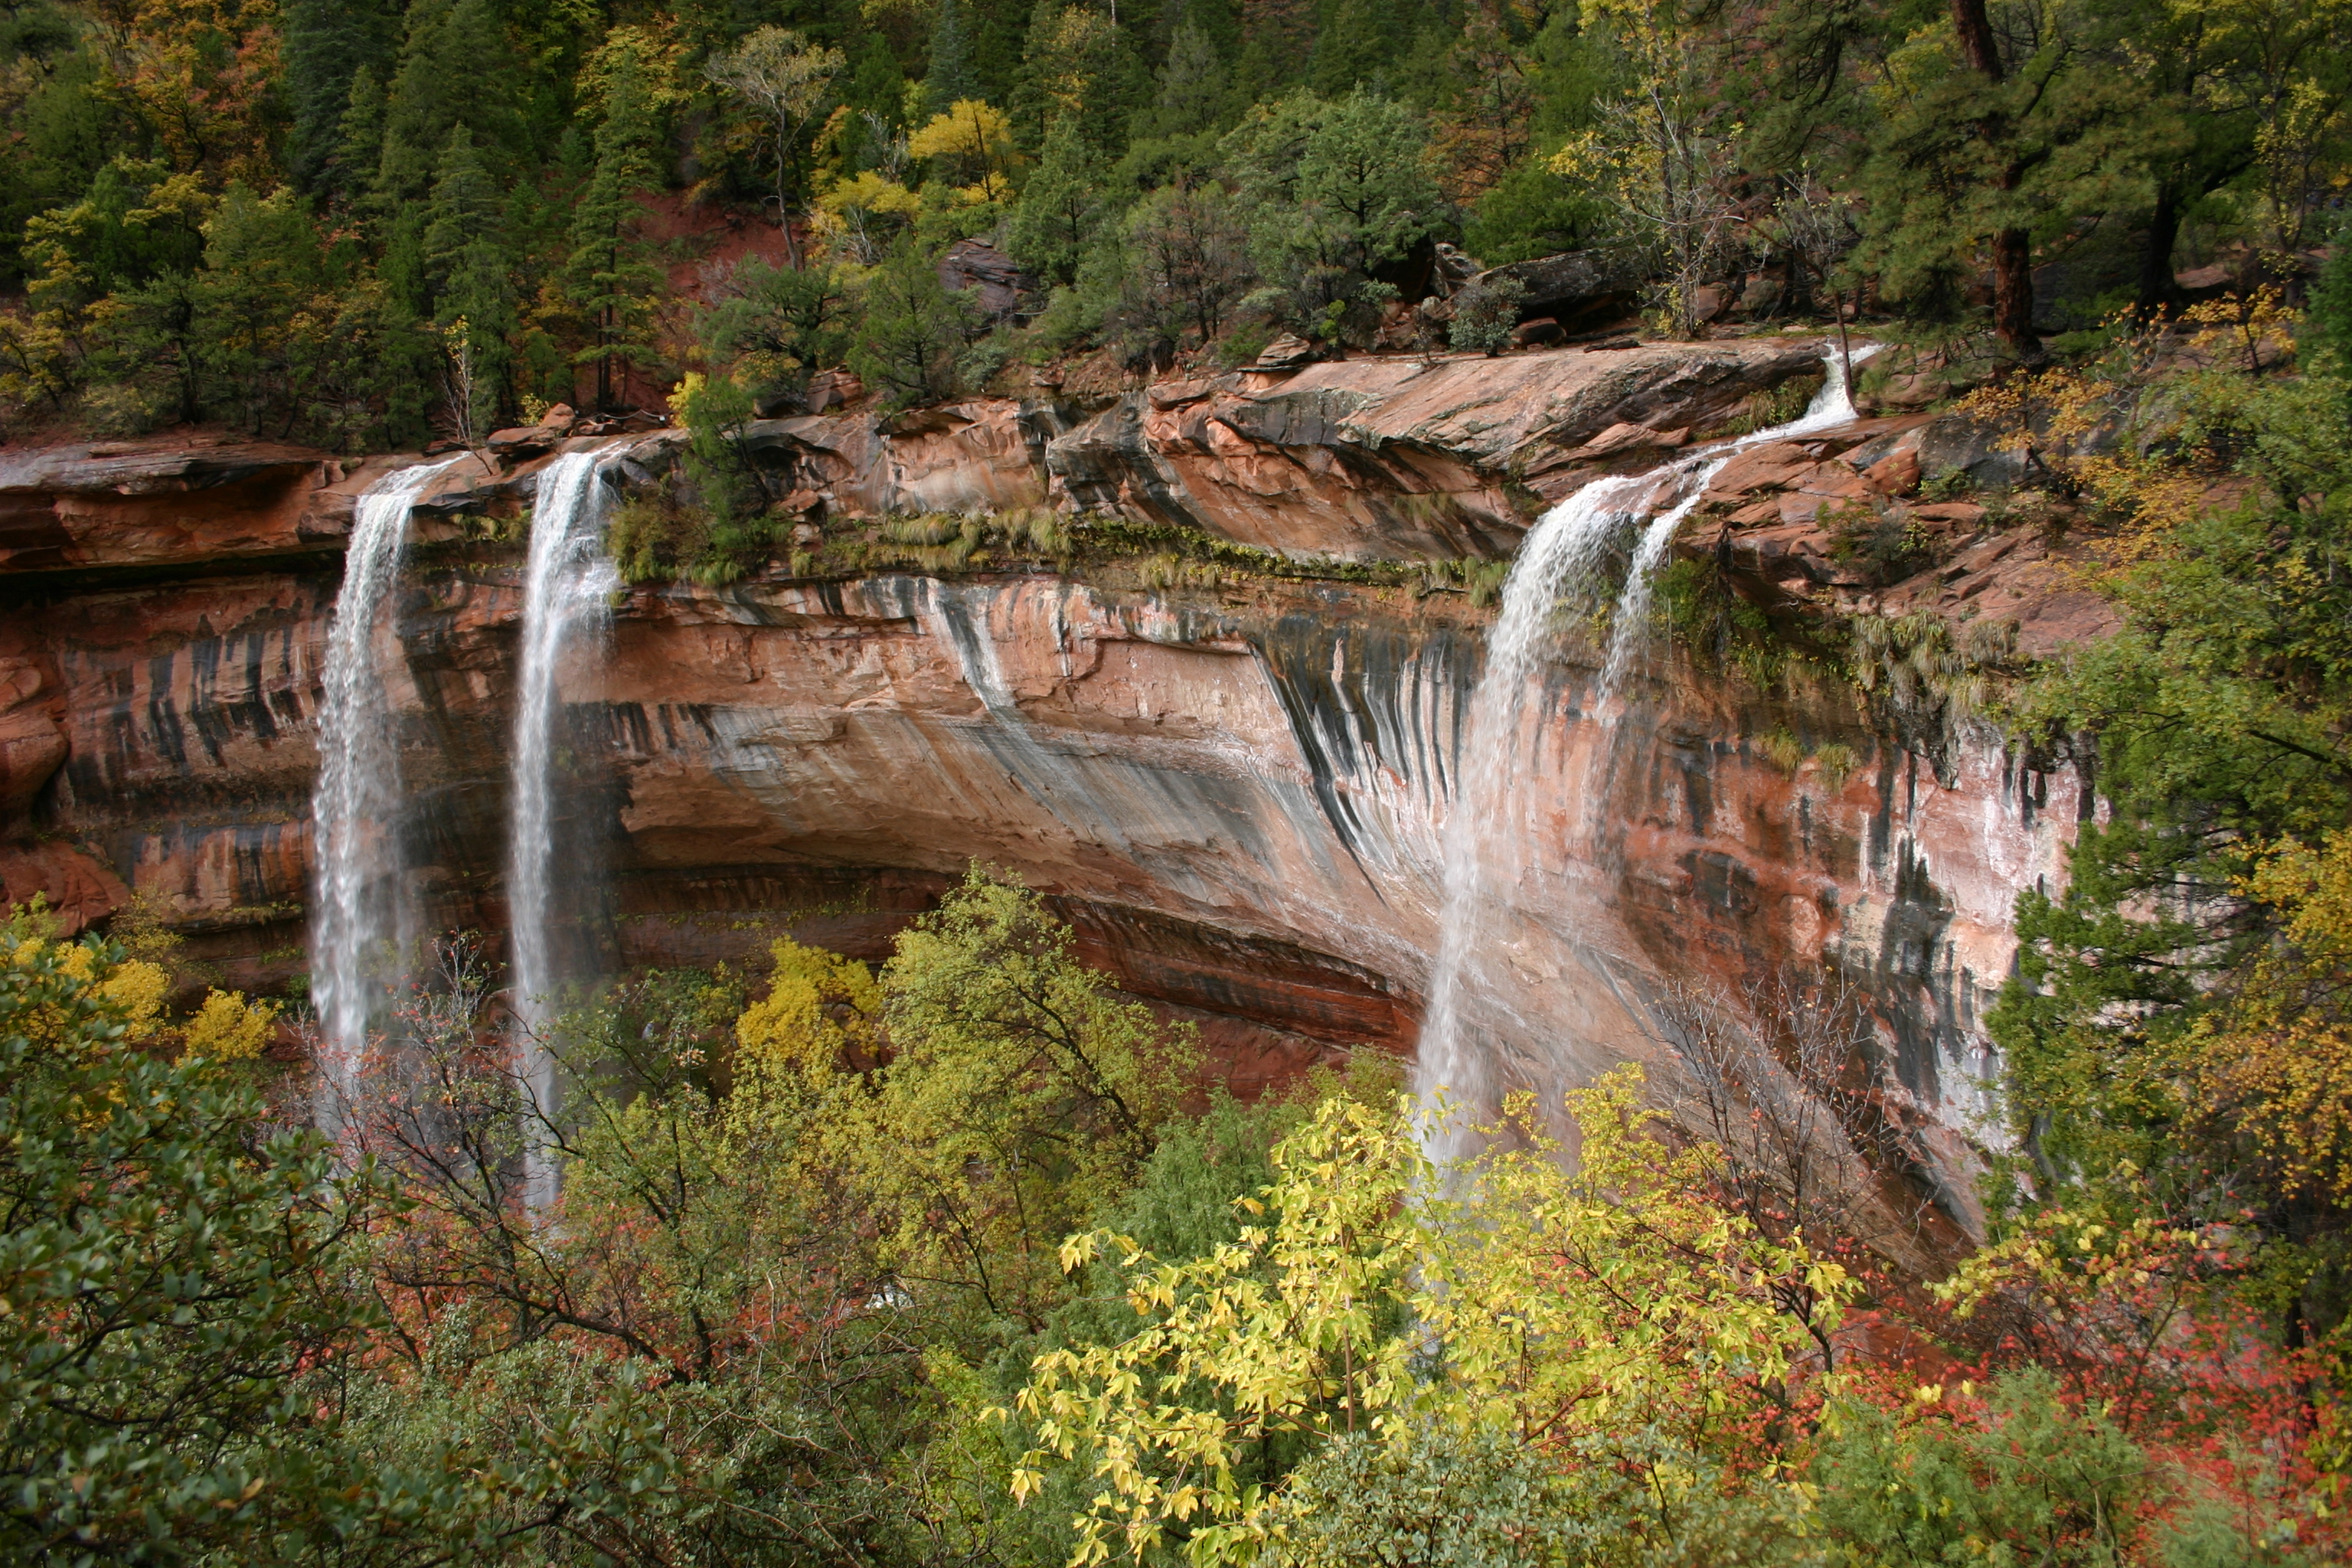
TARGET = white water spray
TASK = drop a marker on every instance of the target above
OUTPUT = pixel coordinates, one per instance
(1562, 562)
(567, 599)
(355, 810)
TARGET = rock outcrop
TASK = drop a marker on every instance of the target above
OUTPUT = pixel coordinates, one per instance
(1236, 792)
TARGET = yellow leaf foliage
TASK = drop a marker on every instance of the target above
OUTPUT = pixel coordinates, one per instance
(869, 192)
(133, 990)
(983, 1098)
(2276, 1059)
(822, 1014)
(1562, 1307)
(229, 1028)
(976, 135)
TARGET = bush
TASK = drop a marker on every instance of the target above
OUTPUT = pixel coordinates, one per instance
(1485, 312)
(720, 464)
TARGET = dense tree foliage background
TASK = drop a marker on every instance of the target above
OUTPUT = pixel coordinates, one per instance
(362, 222)
(946, 1262)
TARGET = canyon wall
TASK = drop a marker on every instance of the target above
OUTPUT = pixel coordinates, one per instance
(1235, 790)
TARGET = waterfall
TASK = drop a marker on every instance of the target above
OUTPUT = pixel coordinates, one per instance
(567, 598)
(1562, 561)
(355, 809)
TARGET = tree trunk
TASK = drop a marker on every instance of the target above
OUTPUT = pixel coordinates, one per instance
(2012, 293)
(1975, 30)
(2158, 294)
(783, 207)
(2012, 248)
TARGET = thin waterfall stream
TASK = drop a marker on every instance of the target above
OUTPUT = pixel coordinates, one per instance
(355, 809)
(567, 602)
(1563, 561)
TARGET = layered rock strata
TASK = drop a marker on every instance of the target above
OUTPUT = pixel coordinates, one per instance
(1236, 791)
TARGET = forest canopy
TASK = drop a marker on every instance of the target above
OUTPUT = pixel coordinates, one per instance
(363, 223)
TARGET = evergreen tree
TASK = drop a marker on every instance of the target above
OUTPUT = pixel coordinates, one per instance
(950, 78)
(452, 49)
(1061, 205)
(1356, 45)
(464, 207)
(326, 44)
(1193, 90)
(1333, 190)
(261, 267)
(611, 276)
(912, 328)
(359, 143)
(468, 273)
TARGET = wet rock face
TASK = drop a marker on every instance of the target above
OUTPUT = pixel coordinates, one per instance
(1237, 801)
(1237, 796)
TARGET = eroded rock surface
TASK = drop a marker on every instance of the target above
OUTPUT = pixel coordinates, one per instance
(1237, 793)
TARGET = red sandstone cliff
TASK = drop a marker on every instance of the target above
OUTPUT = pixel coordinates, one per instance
(1236, 792)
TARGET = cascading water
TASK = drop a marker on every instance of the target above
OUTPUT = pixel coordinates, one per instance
(567, 599)
(355, 810)
(1562, 560)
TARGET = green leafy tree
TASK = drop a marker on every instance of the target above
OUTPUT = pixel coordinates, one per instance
(989, 1096)
(728, 483)
(170, 1278)
(1610, 1313)
(788, 80)
(2224, 728)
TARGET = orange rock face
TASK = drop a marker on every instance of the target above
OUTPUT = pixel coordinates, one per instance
(1238, 796)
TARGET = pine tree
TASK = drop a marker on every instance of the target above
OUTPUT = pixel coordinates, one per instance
(2012, 244)
(464, 207)
(951, 79)
(468, 272)
(359, 145)
(610, 278)
(328, 43)
(1061, 205)
(1194, 87)
(454, 49)
(261, 267)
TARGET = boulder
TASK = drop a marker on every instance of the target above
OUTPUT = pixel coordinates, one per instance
(1914, 391)
(994, 280)
(523, 442)
(1974, 449)
(1288, 351)
(1455, 267)
(1576, 288)
(830, 389)
(1542, 329)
